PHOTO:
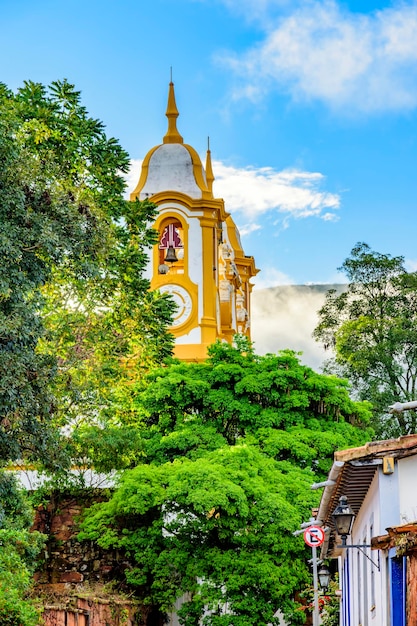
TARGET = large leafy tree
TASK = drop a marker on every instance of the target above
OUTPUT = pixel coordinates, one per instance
(19, 549)
(372, 328)
(227, 451)
(63, 219)
(107, 332)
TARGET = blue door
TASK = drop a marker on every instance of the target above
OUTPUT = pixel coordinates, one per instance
(397, 576)
(345, 608)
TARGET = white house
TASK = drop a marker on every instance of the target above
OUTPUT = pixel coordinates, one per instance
(379, 581)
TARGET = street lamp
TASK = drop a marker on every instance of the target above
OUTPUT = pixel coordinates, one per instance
(343, 517)
(324, 578)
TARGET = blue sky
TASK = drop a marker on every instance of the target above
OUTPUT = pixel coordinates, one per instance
(311, 109)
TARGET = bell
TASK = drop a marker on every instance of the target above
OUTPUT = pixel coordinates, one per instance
(171, 257)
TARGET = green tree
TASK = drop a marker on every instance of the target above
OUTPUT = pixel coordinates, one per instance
(290, 411)
(218, 527)
(372, 328)
(228, 449)
(19, 549)
(63, 218)
(106, 332)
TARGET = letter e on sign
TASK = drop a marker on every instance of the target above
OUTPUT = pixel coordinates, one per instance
(314, 536)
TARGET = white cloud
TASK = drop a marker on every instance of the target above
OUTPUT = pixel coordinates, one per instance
(271, 277)
(247, 229)
(253, 192)
(329, 217)
(411, 265)
(363, 62)
(255, 10)
(285, 317)
(132, 176)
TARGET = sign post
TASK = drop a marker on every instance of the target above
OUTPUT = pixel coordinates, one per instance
(314, 537)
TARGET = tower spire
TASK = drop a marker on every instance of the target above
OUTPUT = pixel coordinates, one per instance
(172, 134)
(209, 169)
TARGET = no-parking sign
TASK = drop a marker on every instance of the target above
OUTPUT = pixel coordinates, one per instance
(314, 536)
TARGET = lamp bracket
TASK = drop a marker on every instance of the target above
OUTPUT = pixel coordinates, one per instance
(359, 547)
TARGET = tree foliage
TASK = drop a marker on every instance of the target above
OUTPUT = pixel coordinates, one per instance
(217, 527)
(372, 328)
(63, 219)
(106, 332)
(291, 412)
(227, 451)
(19, 549)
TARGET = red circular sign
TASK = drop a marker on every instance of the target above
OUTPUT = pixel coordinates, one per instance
(314, 536)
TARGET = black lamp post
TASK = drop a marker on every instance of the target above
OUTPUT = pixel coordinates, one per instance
(343, 517)
(324, 578)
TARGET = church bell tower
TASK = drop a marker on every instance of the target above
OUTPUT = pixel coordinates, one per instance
(199, 258)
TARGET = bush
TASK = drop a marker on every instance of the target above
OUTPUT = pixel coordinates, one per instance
(19, 549)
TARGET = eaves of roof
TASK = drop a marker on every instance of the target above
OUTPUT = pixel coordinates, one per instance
(403, 446)
(353, 481)
(404, 538)
(351, 475)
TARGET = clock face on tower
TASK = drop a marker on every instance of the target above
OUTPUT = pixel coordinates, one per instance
(183, 301)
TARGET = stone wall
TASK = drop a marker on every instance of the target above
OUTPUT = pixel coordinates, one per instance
(78, 583)
(68, 561)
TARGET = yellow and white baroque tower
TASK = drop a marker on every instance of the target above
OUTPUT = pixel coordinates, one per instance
(199, 258)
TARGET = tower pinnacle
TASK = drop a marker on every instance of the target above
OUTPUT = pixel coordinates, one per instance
(172, 134)
(209, 169)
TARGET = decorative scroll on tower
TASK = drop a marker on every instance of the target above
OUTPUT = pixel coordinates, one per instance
(199, 258)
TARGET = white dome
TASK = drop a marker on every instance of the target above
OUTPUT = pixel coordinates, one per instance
(171, 167)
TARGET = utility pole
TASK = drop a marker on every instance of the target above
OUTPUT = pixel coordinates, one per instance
(316, 614)
(314, 537)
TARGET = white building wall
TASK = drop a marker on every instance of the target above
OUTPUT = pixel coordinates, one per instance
(390, 501)
(195, 253)
(369, 606)
(407, 471)
(173, 617)
(194, 336)
(368, 587)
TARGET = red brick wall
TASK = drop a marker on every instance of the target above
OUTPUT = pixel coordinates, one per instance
(92, 613)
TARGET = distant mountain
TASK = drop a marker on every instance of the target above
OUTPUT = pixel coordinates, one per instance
(285, 317)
